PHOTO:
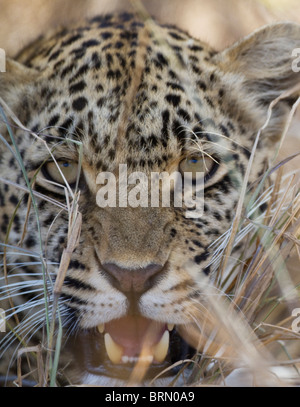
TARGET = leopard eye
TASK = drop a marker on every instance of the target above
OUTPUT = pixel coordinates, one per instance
(68, 168)
(192, 165)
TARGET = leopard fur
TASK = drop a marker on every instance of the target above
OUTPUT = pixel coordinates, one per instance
(120, 90)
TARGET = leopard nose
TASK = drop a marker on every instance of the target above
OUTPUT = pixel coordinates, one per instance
(133, 280)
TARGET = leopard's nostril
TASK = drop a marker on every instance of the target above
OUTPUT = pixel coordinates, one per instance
(133, 280)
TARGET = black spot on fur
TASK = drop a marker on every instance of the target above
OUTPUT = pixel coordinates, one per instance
(106, 35)
(72, 39)
(55, 55)
(80, 103)
(197, 243)
(30, 242)
(201, 85)
(81, 71)
(77, 87)
(68, 69)
(173, 99)
(63, 129)
(175, 86)
(14, 200)
(53, 120)
(196, 48)
(162, 60)
(201, 257)
(176, 36)
(90, 43)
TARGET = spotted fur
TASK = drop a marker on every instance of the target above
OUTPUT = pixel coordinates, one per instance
(146, 95)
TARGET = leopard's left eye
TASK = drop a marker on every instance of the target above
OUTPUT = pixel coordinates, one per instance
(68, 168)
(194, 165)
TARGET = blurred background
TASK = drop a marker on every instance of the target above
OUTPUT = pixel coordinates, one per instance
(220, 22)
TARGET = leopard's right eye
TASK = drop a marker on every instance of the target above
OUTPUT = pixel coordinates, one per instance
(197, 164)
(54, 171)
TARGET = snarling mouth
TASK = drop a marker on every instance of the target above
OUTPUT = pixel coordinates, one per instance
(115, 348)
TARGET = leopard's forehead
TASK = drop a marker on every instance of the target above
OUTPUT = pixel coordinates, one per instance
(122, 85)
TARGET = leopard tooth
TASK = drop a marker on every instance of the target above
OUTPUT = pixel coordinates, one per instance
(101, 328)
(114, 351)
(161, 349)
(171, 327)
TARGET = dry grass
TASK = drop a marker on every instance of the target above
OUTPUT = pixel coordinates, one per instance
(247, 334)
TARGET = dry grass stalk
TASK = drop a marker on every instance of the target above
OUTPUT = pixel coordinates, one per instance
(40, 369)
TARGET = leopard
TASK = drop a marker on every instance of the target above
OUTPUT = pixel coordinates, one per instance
(126, 282)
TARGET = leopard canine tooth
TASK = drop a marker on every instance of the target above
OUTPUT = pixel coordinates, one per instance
(171, 327)
(161, 349)
(101, 328)
(114, 351)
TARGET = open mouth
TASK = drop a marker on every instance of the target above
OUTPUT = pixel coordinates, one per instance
(115, 348)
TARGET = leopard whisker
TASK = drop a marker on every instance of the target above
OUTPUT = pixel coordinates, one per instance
(195, 134)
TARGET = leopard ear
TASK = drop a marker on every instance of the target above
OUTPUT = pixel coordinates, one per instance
(14, 86)
(14, 80)
(262, 66)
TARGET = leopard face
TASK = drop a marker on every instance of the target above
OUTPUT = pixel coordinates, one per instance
(119, 91)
